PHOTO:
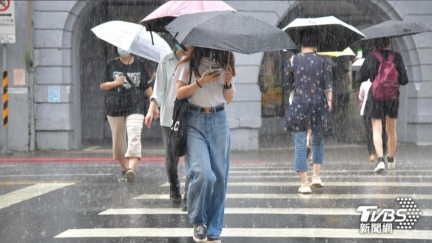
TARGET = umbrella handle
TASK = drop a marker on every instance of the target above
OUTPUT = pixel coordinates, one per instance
(151, 35)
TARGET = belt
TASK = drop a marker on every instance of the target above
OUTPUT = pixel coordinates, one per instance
(207, 109)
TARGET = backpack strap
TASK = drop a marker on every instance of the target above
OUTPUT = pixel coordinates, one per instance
(380, 58)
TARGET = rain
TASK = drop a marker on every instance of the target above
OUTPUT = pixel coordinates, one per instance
(70, 189)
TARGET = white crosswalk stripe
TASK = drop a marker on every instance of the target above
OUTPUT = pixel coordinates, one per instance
(266, 182)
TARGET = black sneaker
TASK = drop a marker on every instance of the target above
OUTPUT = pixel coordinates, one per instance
(130, 175)
(391, 162)
(122, 176)
(184, 203)
(175, 196)
(200, 233)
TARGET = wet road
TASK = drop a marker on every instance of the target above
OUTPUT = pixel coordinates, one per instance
(76, 197)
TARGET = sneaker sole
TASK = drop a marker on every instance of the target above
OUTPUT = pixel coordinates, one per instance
(317, 185)
(199, 240)
(130, 176)
(380, 171)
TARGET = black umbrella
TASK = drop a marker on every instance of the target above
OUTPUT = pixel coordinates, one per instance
(333, 33)
(393, 28)
(229, 31)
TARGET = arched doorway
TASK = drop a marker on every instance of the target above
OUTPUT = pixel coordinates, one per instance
(93, 54)
(348, 123)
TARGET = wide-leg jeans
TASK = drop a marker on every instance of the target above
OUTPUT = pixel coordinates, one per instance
(207, 165)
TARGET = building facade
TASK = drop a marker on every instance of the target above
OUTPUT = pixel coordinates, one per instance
(58, 105)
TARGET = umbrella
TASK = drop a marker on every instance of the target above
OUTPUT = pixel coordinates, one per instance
(229, 31)
(346, 52)
(134, 38)
(393, 28)
(357, 64)
(334, 34)
(163, 15)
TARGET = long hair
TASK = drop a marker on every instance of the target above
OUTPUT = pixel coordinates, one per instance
(381, 43)
(223, 58)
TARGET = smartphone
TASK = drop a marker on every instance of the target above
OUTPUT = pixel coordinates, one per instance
(215, 69)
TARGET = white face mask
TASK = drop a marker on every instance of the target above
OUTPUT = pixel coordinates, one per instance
(122, 52)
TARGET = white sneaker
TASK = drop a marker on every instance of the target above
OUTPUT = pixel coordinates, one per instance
(316, 181)
(305, 189)
(380, 168)
(130, 175)
(391, 162)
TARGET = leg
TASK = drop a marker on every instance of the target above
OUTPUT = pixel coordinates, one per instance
(369, 137)
(134, 124)
(301, 160)
(317, 157)
(118, 135)
(171, 163)
(392, 136)
(219, 144)
(377, 136)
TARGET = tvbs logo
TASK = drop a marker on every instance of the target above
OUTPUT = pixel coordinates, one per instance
(405, 216)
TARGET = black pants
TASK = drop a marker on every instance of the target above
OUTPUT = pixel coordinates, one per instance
(171, 161)
(369, 135)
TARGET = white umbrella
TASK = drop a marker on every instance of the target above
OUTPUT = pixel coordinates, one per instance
(357, 64)
(134, 38)
(334, 34)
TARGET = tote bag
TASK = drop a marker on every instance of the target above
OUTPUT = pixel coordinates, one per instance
(177, 133)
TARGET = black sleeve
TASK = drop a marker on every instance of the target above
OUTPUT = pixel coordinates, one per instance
(144, 75)
(366, 71)
(403, 77)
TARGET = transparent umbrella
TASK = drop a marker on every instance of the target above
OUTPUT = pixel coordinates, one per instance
(134, 38)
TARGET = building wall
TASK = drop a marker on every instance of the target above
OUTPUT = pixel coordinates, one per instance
(56, 39)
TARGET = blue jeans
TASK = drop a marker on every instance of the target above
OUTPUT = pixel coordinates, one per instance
(317, 141)
(207, 164)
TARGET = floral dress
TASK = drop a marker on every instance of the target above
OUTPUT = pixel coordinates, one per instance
(312, 78)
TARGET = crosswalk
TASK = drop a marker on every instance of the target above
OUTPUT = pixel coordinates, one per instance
(263, 206)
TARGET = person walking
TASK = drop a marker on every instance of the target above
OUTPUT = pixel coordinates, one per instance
(312, 100)
(125, 86)
(164, 96)
(208, 136)
(366, 112)
(388, 108)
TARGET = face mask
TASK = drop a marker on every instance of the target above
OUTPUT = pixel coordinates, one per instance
(122, 52)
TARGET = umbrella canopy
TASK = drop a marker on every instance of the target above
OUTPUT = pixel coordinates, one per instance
(334, 34)
(134, 38)
(346, 52)
(163, 15)
(357, 64)
(229, 31)
(393, 28)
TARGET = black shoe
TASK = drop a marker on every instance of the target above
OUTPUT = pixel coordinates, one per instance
(184, 203)
(200, 233)
(391, 162)
(130, 175)
(175, 196)
(122, 176)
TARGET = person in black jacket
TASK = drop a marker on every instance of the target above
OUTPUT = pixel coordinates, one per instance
(387, 109)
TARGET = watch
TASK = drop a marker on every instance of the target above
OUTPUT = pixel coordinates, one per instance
(227, 86)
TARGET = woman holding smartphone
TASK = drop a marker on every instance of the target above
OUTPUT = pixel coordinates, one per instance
(208, 138)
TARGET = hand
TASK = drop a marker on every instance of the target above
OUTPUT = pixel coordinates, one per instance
(152, 114)
(120, 80)
(330, 105)
(208, 77)
(227, 76)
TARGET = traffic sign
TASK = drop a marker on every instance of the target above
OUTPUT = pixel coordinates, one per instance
(7, 22)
